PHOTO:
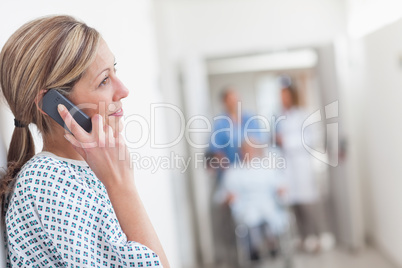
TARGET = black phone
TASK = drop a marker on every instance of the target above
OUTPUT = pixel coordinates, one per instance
(53, 98)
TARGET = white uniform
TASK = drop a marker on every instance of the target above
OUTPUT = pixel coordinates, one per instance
(302, 188)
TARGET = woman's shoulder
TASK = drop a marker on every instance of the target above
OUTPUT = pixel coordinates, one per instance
(40, 174)
(46, 166)
(43, 163)
(47, 176)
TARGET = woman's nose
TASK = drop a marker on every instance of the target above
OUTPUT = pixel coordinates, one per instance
(121, 91)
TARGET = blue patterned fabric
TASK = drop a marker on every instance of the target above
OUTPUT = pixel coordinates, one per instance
(60, 215)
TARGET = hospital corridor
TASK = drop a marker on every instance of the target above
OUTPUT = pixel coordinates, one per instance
(368, 258)
(257, 133)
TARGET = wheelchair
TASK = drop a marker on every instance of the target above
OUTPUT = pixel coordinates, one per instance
(280, 250)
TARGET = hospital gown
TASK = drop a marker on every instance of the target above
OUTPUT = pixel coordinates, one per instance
(60, 215)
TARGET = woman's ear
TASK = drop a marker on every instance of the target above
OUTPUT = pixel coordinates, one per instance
(38, 99)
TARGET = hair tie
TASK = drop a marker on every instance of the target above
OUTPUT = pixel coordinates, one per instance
(18, 123)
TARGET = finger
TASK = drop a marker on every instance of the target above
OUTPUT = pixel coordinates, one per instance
(123, 151)
(71, 124)
(120, 140)
(109, 135)
(97, 123)
(77, 144)
(72, 140)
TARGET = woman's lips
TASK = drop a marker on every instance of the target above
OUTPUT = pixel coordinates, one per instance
(118, 113)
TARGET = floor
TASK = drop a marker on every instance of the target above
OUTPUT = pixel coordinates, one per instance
(339, 259)
(368, 258)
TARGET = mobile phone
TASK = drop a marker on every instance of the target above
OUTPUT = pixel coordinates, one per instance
(53, 98)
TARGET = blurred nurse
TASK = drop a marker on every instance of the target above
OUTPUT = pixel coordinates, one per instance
(303, 192)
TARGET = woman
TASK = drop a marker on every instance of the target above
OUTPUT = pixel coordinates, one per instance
(74, 204)
(303, 192)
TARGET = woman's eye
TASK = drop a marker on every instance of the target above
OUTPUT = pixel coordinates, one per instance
(104, 81)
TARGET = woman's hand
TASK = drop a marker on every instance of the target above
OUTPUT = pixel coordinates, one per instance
(106, 154)
(108, 157)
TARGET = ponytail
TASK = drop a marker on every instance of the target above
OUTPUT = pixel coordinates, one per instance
(22, 148)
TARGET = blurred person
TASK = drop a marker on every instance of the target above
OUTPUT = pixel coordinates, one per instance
(229, 132)
(254, 194)
(230, 129)
(303, 192)
(75, 203)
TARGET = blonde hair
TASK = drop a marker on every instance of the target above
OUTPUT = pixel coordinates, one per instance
(49, 52)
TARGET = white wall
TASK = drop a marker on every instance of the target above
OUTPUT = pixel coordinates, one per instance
(365, 17)
(128, 29)
(227, 26)
(373, 93)
(244, 84)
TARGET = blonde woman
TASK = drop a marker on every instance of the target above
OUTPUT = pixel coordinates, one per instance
(75, 203)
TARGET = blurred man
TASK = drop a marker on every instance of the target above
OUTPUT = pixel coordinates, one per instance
(229, 132)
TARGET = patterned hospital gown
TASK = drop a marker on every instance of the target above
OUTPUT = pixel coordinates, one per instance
(60, 215)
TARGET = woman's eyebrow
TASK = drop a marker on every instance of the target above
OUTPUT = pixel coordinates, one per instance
(108, 68)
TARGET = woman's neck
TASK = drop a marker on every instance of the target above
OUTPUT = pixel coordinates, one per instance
(58, 145)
